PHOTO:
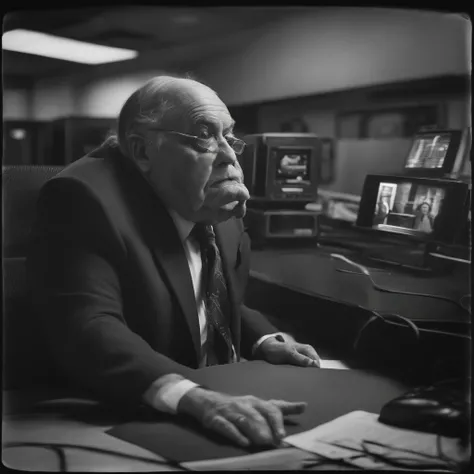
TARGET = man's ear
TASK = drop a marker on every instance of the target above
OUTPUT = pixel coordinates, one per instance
(138, 150)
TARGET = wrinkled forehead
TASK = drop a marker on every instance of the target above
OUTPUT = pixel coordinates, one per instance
(196, 103)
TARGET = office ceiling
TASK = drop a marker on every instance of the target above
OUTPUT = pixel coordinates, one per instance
(144, 28)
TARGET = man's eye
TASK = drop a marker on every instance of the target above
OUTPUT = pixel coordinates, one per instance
(204, 133)
(230, 138)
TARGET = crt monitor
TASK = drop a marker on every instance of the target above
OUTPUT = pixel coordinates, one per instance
(282, 166)
(434, 153)
(426, 209)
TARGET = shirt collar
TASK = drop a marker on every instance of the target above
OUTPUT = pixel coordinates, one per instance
(184, 227)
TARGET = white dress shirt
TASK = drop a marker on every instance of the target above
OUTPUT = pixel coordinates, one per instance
(165, 393)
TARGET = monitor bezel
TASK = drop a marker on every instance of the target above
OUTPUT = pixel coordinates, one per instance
(449, 160)
(453, 213)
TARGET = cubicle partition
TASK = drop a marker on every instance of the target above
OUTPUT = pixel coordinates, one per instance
(356, 158)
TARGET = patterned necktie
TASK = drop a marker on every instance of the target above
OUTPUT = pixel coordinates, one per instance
(219, 346)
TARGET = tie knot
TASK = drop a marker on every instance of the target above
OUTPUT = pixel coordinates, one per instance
(204, 234)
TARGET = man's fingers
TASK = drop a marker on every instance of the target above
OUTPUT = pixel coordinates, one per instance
(253, 425)
(224, 427)
(290, 408)
(250, 420)
(274, 418)
(309, 351)
(295, 358)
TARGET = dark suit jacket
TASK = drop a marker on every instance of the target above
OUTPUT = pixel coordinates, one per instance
(111, 283)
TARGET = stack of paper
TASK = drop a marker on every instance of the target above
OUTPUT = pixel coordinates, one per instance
(360, 439)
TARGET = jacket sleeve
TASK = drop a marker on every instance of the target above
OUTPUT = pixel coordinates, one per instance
(254, 324)
(75, 264)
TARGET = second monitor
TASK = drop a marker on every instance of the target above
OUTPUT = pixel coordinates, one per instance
(437, 153)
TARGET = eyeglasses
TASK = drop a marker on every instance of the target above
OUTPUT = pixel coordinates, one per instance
(210, 144)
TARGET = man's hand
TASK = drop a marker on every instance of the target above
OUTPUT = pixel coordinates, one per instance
(279, 350)
(245, 420)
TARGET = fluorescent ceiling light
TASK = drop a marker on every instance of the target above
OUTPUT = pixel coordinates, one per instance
(42, 44)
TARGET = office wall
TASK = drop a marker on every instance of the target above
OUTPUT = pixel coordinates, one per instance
(52, 98)
(312, 51)
(16, 104)
(105, 96)
(357, 158)
(321, 117)
(322, 50)
(459, 113)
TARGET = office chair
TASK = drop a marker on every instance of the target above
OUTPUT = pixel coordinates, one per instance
(24, 360)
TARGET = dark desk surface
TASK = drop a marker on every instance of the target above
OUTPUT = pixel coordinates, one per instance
(61, 418)
(313, 272)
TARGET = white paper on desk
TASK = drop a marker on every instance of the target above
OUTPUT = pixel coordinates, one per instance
(333, 364)
(351, 429)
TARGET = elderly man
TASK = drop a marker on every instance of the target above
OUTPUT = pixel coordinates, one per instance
(139, 262)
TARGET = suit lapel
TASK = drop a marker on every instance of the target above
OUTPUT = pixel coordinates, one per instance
(169, 253)
(228, 242)
(164, 241)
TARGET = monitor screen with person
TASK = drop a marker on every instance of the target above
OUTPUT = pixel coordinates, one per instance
(423, 208)
(407, 206)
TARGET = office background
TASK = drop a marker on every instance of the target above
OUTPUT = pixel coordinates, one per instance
(367, 77)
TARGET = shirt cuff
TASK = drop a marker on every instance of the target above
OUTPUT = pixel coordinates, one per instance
(166, 392)
(264, 338)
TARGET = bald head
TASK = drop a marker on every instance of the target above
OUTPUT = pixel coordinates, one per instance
(179, 135)
(161, 99)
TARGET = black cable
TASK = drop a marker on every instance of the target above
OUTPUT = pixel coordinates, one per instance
(432, 462)
(62, 458)
(468, 295)
(446, 459)
(57, 450)
(419, 330)
(327, 460)
(59, 447)
(389, 318)
(376, 286)
(405, 462)
(376, 316)
(343, 270)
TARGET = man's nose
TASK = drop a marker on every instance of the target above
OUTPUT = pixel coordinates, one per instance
(226, 155)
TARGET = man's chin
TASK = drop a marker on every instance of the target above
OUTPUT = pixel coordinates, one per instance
(224, 213)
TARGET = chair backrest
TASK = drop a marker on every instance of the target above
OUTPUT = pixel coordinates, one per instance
(23, 361)
(21, 185)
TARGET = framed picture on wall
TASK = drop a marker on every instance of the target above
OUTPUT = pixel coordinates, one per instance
(396, 122)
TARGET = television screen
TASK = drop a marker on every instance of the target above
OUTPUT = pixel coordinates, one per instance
(429, 151)
(423, 209)
(407, 207)
(293, 165)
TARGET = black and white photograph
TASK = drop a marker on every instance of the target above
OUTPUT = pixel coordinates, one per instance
(236, 238)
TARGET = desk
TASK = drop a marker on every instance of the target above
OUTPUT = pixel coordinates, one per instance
(60, 417)
(313, 272)
(304, 292)
(57, 417)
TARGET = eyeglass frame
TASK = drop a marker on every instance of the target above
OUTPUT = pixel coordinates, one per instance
(194, 137)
